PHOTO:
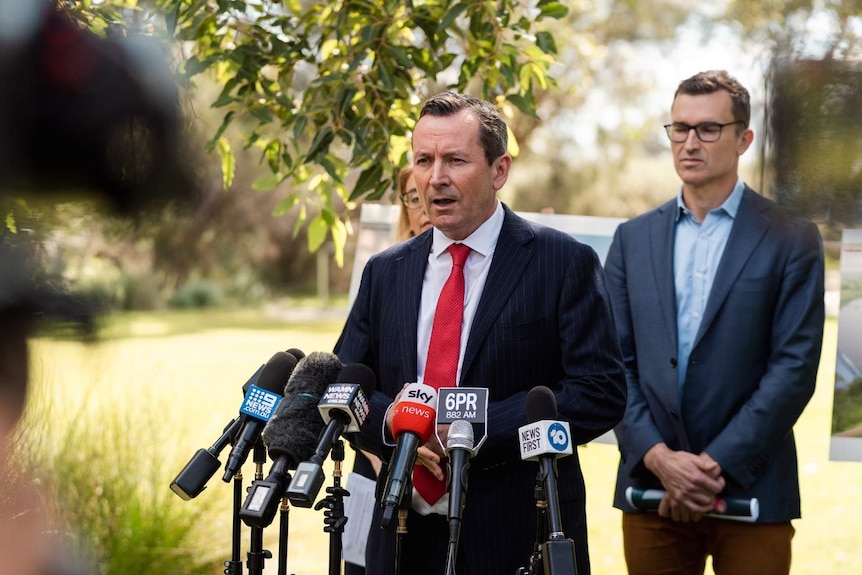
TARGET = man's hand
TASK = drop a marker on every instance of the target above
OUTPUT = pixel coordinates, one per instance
(432, 455)
(691, 482)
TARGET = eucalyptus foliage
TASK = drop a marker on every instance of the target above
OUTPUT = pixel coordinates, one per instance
(329, 91)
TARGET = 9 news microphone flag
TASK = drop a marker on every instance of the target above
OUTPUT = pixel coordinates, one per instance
(192, 480)
(257, 407)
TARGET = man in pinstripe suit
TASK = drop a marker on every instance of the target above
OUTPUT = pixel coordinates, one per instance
(536, 312)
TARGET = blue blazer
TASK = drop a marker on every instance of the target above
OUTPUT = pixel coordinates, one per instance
(754, 361)
(544, 318)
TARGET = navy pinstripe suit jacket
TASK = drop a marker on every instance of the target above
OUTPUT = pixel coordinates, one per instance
(544, 318)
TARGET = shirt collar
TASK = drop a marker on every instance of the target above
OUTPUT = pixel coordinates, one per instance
(730, 205)
(482, 240)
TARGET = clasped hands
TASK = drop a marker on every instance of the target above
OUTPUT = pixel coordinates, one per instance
(691, 482)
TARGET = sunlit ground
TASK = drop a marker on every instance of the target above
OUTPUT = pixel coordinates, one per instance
(200, 372)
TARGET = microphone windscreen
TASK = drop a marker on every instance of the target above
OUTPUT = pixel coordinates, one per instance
(460, 435)
(541, 404)
(358, 373)
(313, 373)
(297, 353)
(277, 372)
(296, 424)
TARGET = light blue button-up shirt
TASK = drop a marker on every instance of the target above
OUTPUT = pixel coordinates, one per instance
(697, 250)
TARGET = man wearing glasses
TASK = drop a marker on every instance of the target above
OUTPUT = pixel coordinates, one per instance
(718, 301)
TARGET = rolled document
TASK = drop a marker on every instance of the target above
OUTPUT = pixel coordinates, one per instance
(735, 509)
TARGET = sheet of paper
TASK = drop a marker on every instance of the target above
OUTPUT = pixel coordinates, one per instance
(358, 508)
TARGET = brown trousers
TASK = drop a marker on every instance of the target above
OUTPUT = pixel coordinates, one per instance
(654, 545)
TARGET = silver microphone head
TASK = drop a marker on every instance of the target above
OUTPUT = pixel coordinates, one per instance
(460, 436)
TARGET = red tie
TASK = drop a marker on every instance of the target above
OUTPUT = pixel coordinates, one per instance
(441, 366)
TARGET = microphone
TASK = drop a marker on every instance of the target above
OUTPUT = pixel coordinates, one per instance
(737, 509)
(459, 448)
(296, 353)
(343, 408)
(545, 439)
(192, 480)
(291, 434)
(259, 404)
(412, 424)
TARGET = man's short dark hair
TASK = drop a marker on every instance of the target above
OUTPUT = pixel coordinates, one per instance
(492, 129)
(712, 81)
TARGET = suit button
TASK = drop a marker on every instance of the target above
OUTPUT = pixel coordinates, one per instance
(673, 362)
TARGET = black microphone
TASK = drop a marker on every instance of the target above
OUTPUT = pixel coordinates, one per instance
(296, 353)
(291, 434)
(260, 403)
(545, 438)
(343, 408)
(192, 480)
(413, 423)
(459, 448)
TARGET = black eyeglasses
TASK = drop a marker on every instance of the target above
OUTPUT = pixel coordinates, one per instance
(705, 131)
(411, 200)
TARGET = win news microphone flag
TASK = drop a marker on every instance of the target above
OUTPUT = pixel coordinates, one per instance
(343, 408)
(291, 434)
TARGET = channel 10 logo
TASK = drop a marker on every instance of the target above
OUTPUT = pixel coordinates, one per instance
(558, 436)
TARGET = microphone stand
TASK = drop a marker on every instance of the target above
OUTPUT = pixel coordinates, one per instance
(534, 565)
(334, 518)
(283, 523)
(234, 565)
(558, 553)
(401, 529)
(256, 553)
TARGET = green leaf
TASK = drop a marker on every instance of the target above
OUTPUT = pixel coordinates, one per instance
(545, 41)
(525, 105)
(228, 118)
(286, 204)
(317, 230)
(320, 144)
(366, 181)
(261, 114)
(10, 223)
(267, 182)
(228, 161)
(555, 10)
(452, 15)
(339, 240)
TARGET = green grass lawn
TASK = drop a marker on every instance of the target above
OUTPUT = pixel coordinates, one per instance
(190, 367)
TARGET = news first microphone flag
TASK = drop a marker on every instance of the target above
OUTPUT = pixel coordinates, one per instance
(545, 437)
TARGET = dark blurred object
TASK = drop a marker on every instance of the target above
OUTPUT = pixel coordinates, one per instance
(86, 116)
(814, 141)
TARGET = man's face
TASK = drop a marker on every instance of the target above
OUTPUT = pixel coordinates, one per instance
(704, 164)
(457, 186)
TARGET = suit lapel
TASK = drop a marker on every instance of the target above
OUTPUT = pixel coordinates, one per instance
(747, 231)
(409, 275)
(661, 238)
(510, 258)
